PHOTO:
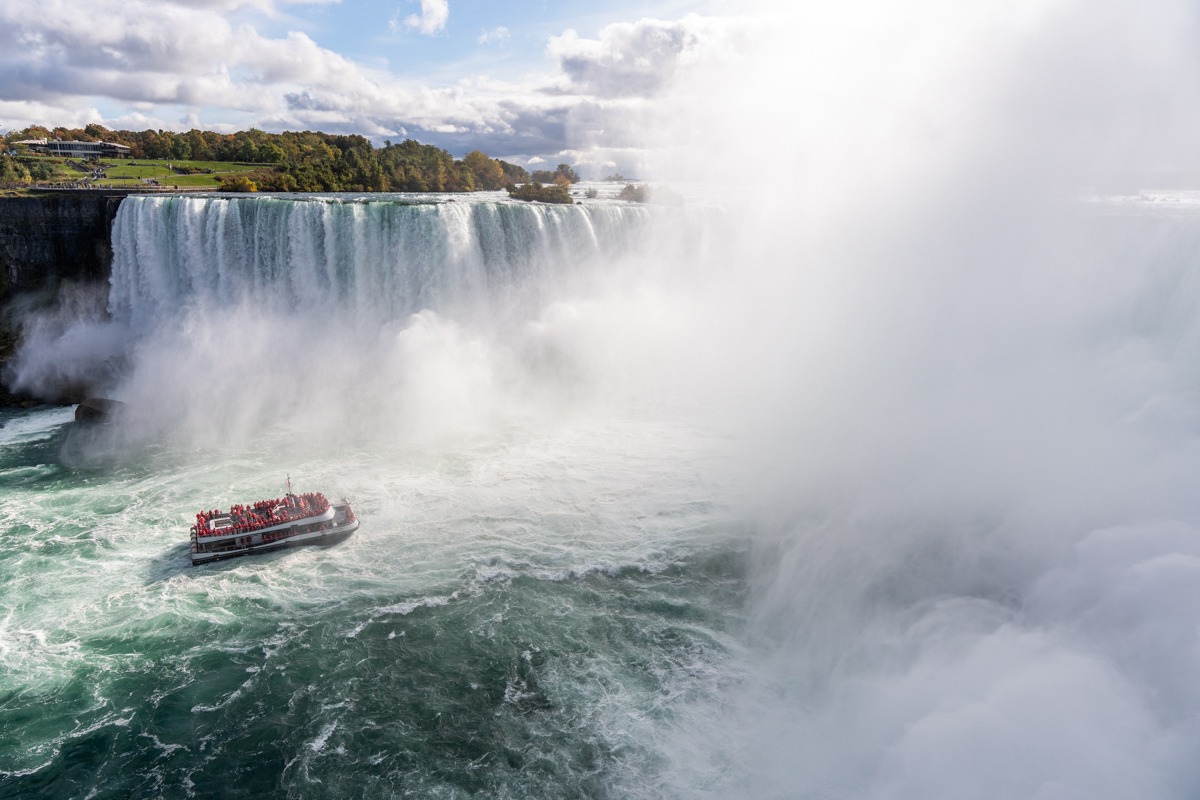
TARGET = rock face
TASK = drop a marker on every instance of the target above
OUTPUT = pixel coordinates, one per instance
(48, 242)
(47, 238)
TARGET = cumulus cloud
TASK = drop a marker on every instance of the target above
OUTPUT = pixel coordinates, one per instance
(140, 52)
(213, 64)
(432, 18)
(166, 62)
(637, 59)
(617, 81)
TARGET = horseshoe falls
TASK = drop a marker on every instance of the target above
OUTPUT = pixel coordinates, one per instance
(522, 610)
(656, 502)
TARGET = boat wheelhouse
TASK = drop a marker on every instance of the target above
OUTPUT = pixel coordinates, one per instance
(266, 525)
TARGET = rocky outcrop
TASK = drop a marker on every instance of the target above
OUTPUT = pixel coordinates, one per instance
(97, 410)
(47, 238)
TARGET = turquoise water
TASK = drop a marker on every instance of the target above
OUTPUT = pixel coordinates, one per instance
(519, 616)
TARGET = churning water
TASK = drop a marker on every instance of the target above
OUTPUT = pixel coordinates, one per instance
(648, 510)
(547, 570)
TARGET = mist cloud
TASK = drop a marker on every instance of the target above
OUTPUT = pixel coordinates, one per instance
(971, 392)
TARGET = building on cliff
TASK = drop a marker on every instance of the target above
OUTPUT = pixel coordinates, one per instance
(84, 150)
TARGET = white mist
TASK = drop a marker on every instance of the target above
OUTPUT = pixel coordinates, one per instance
(972, 394)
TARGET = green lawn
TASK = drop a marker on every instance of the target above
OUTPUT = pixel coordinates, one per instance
(190, 180)
(129, 173)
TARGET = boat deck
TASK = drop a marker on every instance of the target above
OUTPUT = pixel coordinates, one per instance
(266, 526)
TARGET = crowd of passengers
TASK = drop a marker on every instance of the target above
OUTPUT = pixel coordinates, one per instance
(264, 514)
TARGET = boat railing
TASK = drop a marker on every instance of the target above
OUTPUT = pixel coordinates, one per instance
(263, 514)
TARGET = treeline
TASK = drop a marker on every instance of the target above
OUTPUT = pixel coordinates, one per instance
(309, 161)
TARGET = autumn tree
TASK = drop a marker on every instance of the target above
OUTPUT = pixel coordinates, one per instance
(237, 183)
(562, 174)
(489, 175)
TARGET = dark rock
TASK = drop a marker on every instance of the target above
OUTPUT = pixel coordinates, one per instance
(49, 242)
(98, 409)
(47, 238)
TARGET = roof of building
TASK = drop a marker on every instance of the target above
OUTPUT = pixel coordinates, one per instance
(47, 142)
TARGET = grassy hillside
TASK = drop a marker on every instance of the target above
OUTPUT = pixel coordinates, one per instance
(131, 173)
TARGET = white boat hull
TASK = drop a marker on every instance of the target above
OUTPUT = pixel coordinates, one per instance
(343, 524)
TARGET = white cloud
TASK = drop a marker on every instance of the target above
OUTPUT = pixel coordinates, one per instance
(212, 64)
(432, 18)
(499, 35)
(164, 62)
(639, 59)
(144, 52)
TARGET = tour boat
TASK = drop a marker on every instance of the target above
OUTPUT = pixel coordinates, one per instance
(291, 521)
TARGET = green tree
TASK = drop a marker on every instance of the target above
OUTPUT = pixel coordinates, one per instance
(181, 148)
(272, 180)
(562, 173)
(271, 153)
(513, 173)
(198, 145)
(554, 193)
(12, 172)
(634, 194)
(157, 144)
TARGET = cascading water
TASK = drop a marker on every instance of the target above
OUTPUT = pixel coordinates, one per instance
(205, 293)
(381, 259)
(520, 612)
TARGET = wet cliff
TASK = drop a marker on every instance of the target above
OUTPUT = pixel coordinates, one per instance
(55, 248)
(45, 239)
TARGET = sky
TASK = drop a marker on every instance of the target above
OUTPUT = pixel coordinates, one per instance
(539, 81)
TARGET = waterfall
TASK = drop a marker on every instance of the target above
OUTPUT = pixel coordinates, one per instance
(424, 305)
(380, 259)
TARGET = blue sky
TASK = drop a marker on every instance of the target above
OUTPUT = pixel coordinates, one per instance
(537, 81)
(514, 34)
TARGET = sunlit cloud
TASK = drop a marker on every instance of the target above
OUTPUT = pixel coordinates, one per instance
(432, 18)
(638, 59)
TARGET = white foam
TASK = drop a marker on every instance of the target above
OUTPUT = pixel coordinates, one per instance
(318, 744)
(35, 426)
